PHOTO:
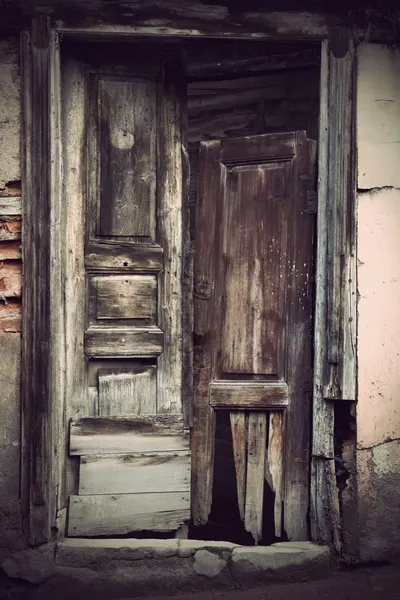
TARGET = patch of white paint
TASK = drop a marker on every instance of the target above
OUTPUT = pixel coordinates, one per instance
(378, 116)
(378, 409)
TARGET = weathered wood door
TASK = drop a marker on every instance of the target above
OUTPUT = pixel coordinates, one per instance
(253, 322)
(123, 203)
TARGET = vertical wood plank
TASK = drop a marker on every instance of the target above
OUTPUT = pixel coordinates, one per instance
(340, 274)
(275, 465)
(322, 416)
(169, 218)
(123, 393)
(42, 350)
(257, 440)
(203, 431)
(239, 440)
(299, 350)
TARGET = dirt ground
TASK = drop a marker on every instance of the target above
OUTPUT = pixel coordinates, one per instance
(365, 583)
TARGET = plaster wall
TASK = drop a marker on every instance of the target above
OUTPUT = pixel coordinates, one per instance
(378, 408)
(10, 283)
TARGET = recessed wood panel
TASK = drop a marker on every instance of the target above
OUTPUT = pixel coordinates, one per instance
(255, 238)
(127, 144)
(126, 297)
(134, 473)
(126, 393)
(124, 342)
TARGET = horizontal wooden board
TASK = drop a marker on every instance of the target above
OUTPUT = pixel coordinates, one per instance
(118, 435)
(138, 341)
(135, 473)
(242, 394)
(126, 297)
(119, 514)
(129, 257)
(261, 147)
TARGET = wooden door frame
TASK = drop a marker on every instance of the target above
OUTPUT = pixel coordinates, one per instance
(44, 435)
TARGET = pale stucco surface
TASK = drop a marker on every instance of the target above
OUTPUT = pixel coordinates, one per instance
(378, 409)
(10, 111)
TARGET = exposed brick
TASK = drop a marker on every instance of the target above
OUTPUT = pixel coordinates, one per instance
(10, 229)
(10, 325)
(10, 279)
(10, 250)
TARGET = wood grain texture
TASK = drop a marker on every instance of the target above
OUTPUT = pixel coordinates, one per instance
(239, 423)
(257, 440)
(127, 158)
(170, 236)
(274, 464)
(203, 431)
(341, 299)
(254, 248)
(42, 348)
(126, 297)
(126, 393)
(244, 394)
(119, 514)
(133, 257)
(155, 472)
(118, 435)
(134, 341)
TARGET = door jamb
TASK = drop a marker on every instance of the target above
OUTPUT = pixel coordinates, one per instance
(44, 441)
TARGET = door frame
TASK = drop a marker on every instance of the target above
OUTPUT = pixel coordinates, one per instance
(43, 386)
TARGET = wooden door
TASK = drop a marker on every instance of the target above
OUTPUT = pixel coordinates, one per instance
(123, 194)
(253, 323)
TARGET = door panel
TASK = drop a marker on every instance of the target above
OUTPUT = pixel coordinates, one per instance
(253, 320)
(132, 440)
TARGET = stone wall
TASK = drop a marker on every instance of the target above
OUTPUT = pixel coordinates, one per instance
(10, 295)
(378, 410)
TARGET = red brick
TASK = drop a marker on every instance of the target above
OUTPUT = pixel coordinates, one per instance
(10, 250)
(10, 279)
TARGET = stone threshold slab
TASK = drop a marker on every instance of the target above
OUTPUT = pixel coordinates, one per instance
(120, 568)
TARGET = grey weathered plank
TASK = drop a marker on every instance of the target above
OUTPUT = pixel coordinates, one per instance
(126, 297)
(341, 299)
(239, 441)
(257, 440)
(170, 235)
(42, 386)
(132, 257)
(134, 341)
(126, 393)
(117, 514)
(245, 394)
(118, 435)
(127, 151)
(156, 472)
(274, 464)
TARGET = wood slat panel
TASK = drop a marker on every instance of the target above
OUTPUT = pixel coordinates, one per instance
(126, 297)
(127, 158)
(239, 441)
(132, 342)
(117, 435)
(119, 514)
(132, 257)
(274, 464)
(127, 393)
(244, 394)
(134, 473)
(257, 440)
